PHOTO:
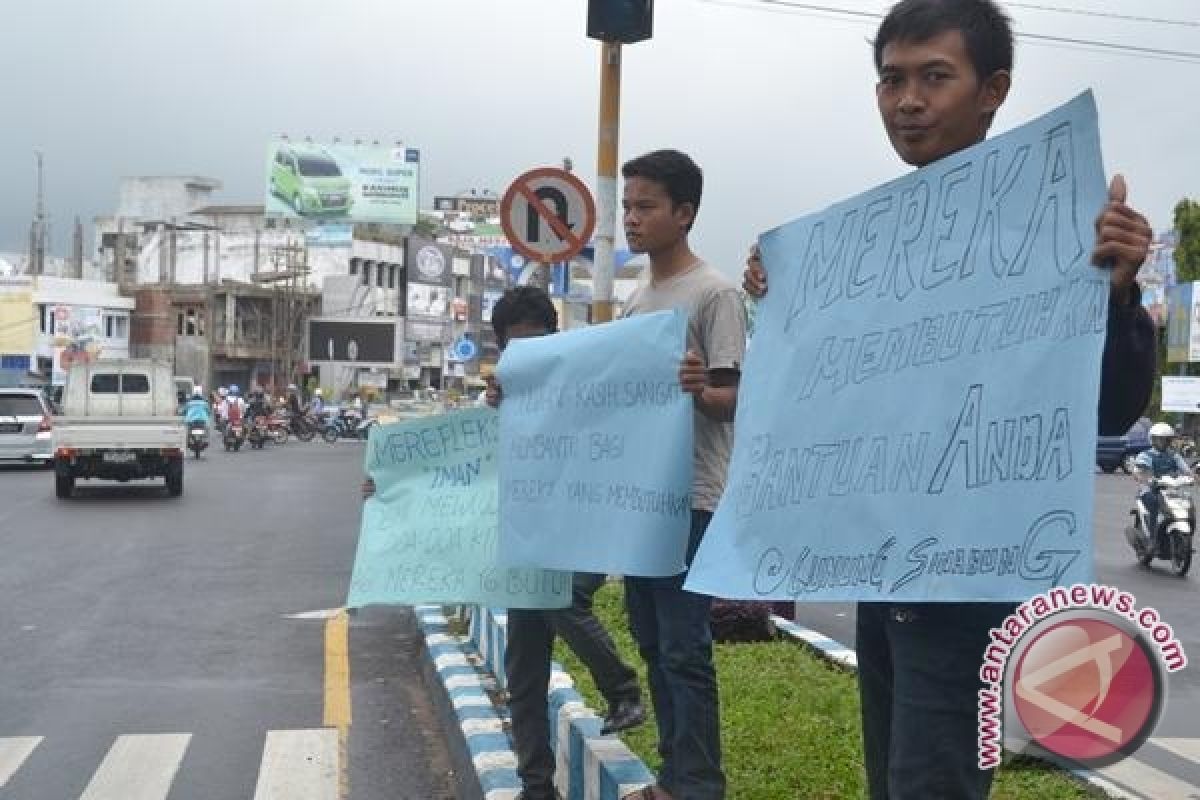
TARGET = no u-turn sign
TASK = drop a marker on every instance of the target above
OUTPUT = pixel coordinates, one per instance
(548, 215)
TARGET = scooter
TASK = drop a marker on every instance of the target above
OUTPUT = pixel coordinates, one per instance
(197, 437)
(348, 426)
(1172, 537)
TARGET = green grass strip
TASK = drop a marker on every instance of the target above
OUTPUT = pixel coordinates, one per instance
(790, 722)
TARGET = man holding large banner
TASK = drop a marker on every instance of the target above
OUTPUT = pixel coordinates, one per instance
(616, 447)
(661, 197)
(916, 428)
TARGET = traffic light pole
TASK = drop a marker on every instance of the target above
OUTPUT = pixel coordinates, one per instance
(606, 181)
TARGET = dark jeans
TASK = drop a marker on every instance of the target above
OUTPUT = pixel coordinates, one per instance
(918, 678)
(673, 634)
(527, 665)
(1149, 498)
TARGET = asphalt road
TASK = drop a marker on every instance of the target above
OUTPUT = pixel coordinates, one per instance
(149, 641)
(1177, 601)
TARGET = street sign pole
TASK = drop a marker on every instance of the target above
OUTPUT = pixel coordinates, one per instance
(606, 181)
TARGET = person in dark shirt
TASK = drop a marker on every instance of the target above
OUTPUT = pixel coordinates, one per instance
(945, 68)
(521, 313)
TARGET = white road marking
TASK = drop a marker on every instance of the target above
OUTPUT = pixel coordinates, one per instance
(1184, 748)
(324, 613)
(138, 768)
(299, 765)
(13, 752)
(1146, 781)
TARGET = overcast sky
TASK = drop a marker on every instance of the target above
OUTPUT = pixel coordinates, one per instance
(777, 107)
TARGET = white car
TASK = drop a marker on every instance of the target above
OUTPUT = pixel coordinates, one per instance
(26, 427)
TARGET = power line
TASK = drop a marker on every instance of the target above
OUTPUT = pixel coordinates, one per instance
(1182, 56)
(812, 9)
(1083, 12)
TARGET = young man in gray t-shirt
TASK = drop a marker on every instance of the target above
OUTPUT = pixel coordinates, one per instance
(671, 626)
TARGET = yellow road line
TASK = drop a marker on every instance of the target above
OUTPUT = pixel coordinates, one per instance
(337, 691)
(337, 671)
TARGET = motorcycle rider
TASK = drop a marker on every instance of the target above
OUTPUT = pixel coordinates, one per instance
(196, 409)
(221, 408)
(293, 400)
(317, 407)
(257, 406)
(235, 406)
(353, 415)
(1150, 465)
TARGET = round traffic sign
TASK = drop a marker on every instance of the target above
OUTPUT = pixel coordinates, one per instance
(465, 349)
(548, 215)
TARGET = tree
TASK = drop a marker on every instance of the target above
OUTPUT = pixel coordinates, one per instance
(1187, 248)
(426, 226)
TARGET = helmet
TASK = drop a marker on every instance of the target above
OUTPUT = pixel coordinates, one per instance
(223, 392)
(1161, 435)
(292, 387)
(234, 390)
(198, 392)
(318, 393)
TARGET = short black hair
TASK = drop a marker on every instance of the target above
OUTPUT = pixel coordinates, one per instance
(986, 30)
(523, 304)
(678, 174)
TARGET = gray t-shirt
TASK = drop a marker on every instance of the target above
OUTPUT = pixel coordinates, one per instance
(717, 332)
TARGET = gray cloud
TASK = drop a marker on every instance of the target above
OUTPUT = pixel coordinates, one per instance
(777, 108)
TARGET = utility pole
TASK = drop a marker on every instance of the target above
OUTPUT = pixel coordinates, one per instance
(77, 250)
(606, 181)
(37, 231)
(613, 22)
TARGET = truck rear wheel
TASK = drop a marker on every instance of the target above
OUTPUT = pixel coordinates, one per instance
(64, 486)
(175, 478)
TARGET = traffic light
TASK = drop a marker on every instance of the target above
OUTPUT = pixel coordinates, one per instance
(625, 21)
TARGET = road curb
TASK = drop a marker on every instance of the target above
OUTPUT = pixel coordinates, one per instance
(484, 764)
(844, 657)
(588, 766)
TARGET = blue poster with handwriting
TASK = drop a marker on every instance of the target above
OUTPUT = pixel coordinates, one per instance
(596, 448)
(429, 535)
(917, 415)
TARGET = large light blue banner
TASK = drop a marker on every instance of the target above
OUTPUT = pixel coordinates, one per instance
(596, 455)
(917, 418)
(430, 533)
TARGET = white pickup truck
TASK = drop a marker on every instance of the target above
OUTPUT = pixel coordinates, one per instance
(119, 423)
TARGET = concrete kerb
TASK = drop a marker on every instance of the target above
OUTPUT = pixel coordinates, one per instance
(484, 764)
(839, 655)
(589, 766)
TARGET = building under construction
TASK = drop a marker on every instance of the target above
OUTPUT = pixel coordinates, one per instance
(221, 291)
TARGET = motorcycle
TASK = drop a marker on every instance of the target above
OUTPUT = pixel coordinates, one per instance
(347, 426)
(1172, 537)
(277, 428)
(235, 436)
(257, 433)
(302, 425)
(197, 438)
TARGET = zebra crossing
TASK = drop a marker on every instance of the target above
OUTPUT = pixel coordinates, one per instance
(295, 765)
(1138, 778)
